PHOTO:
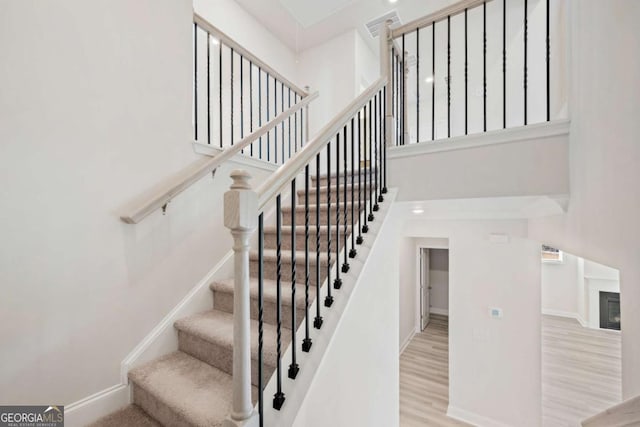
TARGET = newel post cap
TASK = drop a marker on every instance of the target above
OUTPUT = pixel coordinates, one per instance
(241, 203)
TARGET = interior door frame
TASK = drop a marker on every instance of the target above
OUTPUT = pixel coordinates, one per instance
(425, 243)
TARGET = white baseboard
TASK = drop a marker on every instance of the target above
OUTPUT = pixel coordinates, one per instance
(472, 418)
(440, 311)
(92, 408)
(567, 314)
(407, 341)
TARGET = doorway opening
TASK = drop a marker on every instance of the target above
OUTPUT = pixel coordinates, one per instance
(581, 341)
(433, 285)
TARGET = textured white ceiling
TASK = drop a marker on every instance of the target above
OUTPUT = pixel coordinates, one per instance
(309, 12)
(324, 22)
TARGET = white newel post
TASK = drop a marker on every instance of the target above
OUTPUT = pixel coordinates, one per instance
(306, 118)
(385, 71)
(241, 217)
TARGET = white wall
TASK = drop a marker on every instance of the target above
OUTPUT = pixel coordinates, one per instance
(602, 221)
(439, 280)
(98, 112)
(357, 383)
(506, 353)
(560, 286)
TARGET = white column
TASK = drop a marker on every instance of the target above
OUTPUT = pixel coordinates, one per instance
(241, 217)
(385, 71)
(306, 118)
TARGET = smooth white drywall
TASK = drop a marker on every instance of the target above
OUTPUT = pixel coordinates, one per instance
(505, 354)
(357, 383)
(560, 286)
(527, 167)
(602, 221)
(97, 112)
(439, 280)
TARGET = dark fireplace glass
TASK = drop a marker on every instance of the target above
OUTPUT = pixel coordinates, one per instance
(610, 310)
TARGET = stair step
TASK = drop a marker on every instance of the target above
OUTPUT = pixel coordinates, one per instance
(129, 416)
(223, 299)
(270, 266)
(208, 337)
(324, 178)
(180, 390)
(270, 237)
(324, 191)
(300, 213)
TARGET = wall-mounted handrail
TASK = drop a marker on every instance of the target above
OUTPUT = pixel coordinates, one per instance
(238, 48)
(438, 16)
(290, 169)
(199, 169)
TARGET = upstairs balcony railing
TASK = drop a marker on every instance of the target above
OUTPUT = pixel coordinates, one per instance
(476, 66)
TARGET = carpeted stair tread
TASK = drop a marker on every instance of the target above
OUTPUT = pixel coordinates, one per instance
(324, 176)
(129, 416)
(182, 390)
(271, 255)
(269, 290)
(216, 327)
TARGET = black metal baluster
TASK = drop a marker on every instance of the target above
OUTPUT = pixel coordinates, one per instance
(290, 124)
(433, 83)
(268, 133)
(504, 64)
(208, 88)
(195, 80)
(466, 77)
(370, 217)
(275, 113)
(548, 66)
(345, 229)
(293, 367)
(317, 322)
(306, 343)
(231, 78)
(404, 93)
(353, 252)
(302, 127)
(295, 127)
(381, 142)
(260, 109)
(220, 90)
(384, 141)
(365, 227)
(281, 110)
(449, 76)
(328, 301)
(417, 85)
(526, 24)
(360, 240)
(278, 398)
(337, 284)
(251, 103)
(242, 98)
(484, 63)
(260, 316)
(376, 137)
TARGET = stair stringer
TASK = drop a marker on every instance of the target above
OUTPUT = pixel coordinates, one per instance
(296, 390)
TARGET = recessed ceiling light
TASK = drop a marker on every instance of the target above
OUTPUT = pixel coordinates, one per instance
(429, 79)
(418, 211)
(393, 1)
(214, 40)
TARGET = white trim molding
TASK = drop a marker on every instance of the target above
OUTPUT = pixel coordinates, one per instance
(407, 340)
(501, 136)
(439, 311)
(567, 314)
(92, 408)
(472, 418)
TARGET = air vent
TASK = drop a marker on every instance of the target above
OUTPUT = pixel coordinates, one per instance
(374, 25)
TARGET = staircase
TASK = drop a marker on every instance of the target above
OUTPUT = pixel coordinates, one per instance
(193, 386)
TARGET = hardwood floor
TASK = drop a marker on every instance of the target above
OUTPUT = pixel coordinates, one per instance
(424, 377)
(581, 371)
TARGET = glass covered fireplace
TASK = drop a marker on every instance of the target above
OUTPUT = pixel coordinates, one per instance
(610, 310)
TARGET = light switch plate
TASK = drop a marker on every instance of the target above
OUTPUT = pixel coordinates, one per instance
(495, 313)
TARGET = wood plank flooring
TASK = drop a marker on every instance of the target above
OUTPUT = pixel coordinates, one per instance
(581, 371)
(424, 377)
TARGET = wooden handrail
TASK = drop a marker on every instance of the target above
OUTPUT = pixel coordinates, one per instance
(197, 170)
(228, 41)
(296, 163)
(440, 15)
